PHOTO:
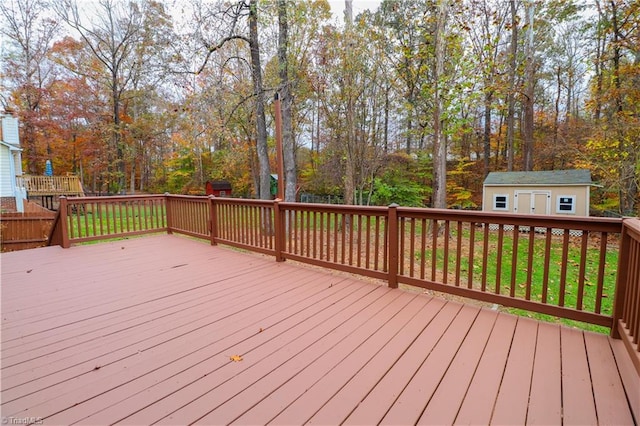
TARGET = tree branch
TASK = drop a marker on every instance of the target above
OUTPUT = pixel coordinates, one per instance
(212, 49)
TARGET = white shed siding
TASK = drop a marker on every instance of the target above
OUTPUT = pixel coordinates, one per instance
(519, 196)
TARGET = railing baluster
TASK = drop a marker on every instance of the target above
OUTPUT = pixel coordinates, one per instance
(315, 235)
(514, 261)
(547, 264)
(412, 247)
(368, 244)
(122, 228)
(376, 247)
(530, 255)
(485, 257)
(582, 269)
(499, 258)
(458, 251)
(81, 210)
(563, 268)
(472, 246)
(402, 236)
(434, 249)
(322, 215)
(345, 219)
(423, 246)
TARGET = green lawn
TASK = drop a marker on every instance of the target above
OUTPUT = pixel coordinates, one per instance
(553, 265)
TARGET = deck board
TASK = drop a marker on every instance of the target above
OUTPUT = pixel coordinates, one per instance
(142, 330)
(611, 405)
(443, 407)
(373, 408)
(545, 398)
(337, 408)
(513, 398)
(577, 394)
(482, 392)
(415, 396)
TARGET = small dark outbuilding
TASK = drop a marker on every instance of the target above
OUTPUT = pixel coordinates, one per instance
(218, 188)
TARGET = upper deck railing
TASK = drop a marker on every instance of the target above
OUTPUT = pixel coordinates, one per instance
(580, 268)
(50, 185)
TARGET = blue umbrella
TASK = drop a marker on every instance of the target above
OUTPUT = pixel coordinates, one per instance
(48, 168)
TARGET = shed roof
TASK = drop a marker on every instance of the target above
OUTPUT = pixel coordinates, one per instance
(547, 177)
(220, 184)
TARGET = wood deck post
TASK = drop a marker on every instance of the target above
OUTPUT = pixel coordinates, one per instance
(279, 228)
(213, 220)
(392, 235)
(621, 281)
(167, 206)
(64, 224)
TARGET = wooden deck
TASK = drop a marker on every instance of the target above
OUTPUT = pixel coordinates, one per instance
(169, 330)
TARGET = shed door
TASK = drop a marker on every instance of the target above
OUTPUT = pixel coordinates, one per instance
(533, 202)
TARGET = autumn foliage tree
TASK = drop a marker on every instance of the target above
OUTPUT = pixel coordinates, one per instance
(151, 95)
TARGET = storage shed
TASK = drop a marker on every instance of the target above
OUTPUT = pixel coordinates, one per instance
(218, 188)
(555, 192)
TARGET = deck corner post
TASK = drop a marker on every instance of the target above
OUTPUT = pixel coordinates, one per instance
(213, 220)
(64, 224)
(392, 235)
(621, 281)
(279, 228)
(167, 204)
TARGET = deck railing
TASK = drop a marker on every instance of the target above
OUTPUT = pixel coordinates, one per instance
(563, 266)
(83, 219)
(553, 265)
(627, 303)
(188, 215)
(247, 224)
(50, 185)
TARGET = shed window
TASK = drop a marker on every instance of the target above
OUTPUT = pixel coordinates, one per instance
(501, 202)
(566, 204)
(223, 193)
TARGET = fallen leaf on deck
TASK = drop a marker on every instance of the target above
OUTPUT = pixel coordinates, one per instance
(235, 358)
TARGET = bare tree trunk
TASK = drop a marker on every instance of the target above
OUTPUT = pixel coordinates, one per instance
(264, 191)
(386, 118)
(512, 87)
(527, 163)
(289, 154)
(600, 52)
(556, 119)
(439, 142)
(487, 131)
(349, 178)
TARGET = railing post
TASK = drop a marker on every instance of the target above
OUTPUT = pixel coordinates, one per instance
(64, 224)
(621, 281)
(167, 206)
(392, 238)
(213, 220)
(279, 228)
